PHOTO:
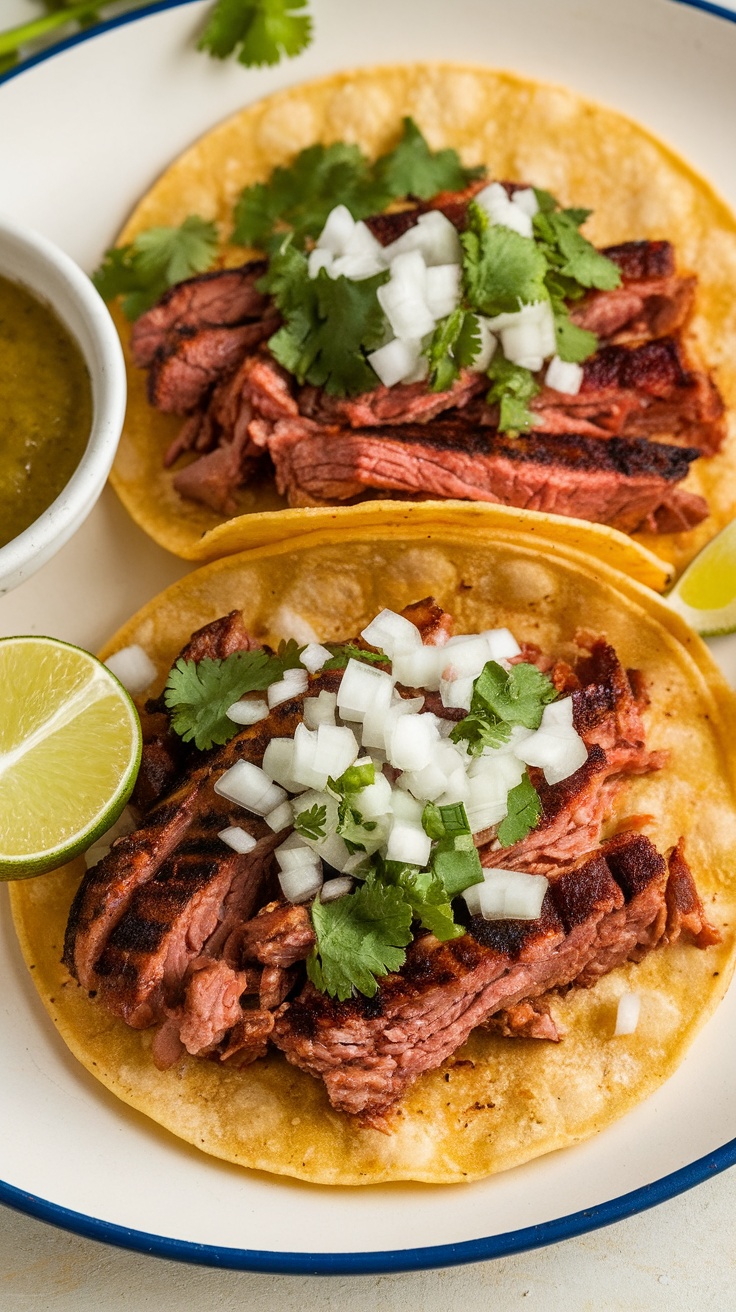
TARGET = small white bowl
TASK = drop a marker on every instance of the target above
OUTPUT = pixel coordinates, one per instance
(30, 259)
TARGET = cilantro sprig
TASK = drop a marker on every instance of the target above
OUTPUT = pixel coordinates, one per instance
(312, 823)
(502, 699)
(298, 197)
(360, 937)
(523, 815)
(342, 652)
(199, 693)
(155, 260)
(260, 31)
(351, 825)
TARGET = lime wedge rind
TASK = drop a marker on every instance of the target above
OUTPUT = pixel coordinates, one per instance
(708, 623)
(100, 781)
(705, 595)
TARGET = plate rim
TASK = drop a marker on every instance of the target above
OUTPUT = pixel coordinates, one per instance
(387, 1260)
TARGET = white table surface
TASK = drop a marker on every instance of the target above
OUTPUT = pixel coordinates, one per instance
(680, 1256)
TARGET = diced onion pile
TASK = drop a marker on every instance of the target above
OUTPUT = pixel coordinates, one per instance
(425, 286)
(406, 748)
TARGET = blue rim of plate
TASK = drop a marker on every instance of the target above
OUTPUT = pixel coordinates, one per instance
(367, 1263)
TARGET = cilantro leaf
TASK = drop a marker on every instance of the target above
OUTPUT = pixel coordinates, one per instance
(288, 654)
(524, 813)
(351, 826)
(199, 693)
(357, 776)
(501, 700)
(260, 30)
(301, 196)
(158, 258)
(342, 652)
(573, 343)
(516, 696)
(513, 388)
(501, 269)
(412, 169)
(456, 862)
(453, 345)
(569, 251)
(359, 936)
(328, 324)
(427, 897)
(312, 823)
(445, 821)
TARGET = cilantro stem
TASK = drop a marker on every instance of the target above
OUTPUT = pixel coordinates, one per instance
(15, 37)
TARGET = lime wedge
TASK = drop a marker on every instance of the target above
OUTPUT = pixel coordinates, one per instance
(70, 747)
(705, 595)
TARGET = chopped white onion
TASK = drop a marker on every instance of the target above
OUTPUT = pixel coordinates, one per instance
(434, 236)
(247, 711)
(335, 888)
(374, 801)
(457, 789)
(406, 310)
(502, 644)
(556, 747)
(378, 724)
(408, 842)
(280, 818)
(488, 344)
(362, 242)
(337, 232)
(627, 1013)
(409, 742)
(320, 710)
(238, 839)
(293, 684)
(526, 199)
(564, 376)
(443, 289)
(302, 883)
(294, 853)
(363, 689)
(249, 786)
(322, 753)
(392, 633)
(318, 259)
(501, 210)
(314, 657)
(420, 667)
(133, 667)
(456, 692)
(397, 361)
(466, 655)
(507, 895)
(406, 808)
(278, 761)
(356, 267)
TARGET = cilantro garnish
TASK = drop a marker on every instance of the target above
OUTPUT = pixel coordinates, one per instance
(501, 269)
(565, 248)
(453, 346)
(342, 652)
(311, 823)
(351, 826)
(299, 197)
(329, 324)
(260, 30)
(158, 258)
(512, 389)
(359, 936)
(500, 700)
(427, 897)
(199, 693)
(524, 813)
(412, 169)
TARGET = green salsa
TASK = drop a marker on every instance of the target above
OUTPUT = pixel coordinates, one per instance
(45, 408)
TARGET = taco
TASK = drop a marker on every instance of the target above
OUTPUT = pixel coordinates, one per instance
(240, 431)
(313, 979)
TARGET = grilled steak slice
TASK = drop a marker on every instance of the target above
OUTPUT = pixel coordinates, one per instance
(181, 818)
(218, 639)
(685, 912)
(406, 403)
(637, 392)
(211, 1005)
(369, 1051)
(180, 377)
(627, 484)
(530, 1019)
(652, 301)
(280, 935)
(222, 299)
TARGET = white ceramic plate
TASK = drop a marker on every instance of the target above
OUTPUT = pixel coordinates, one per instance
(82, 134)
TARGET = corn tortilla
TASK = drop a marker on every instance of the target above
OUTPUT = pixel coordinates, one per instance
(497, 1102)
(586, 154)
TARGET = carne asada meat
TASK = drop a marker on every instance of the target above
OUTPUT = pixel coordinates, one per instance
(627, 484)
(369, 1051)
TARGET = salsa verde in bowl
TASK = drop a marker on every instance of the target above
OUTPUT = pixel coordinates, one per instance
(62, 393)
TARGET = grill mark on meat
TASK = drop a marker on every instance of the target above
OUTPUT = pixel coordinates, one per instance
(184, 371)
(428, 1010)
(629, 484)
(222, 298)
